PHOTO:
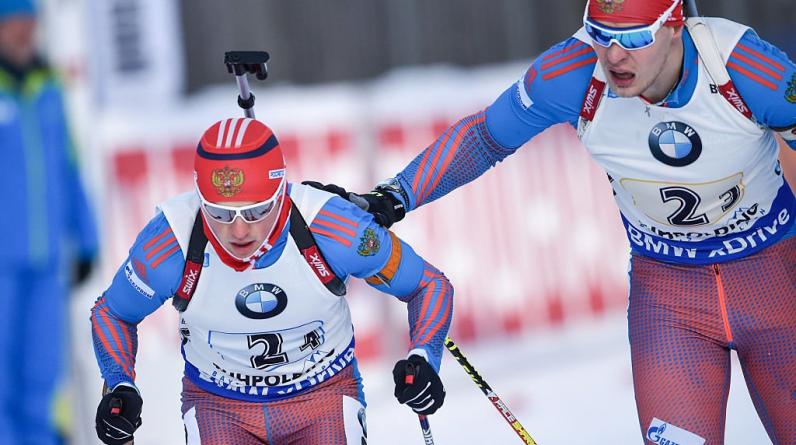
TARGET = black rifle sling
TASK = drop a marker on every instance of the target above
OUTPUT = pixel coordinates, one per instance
(193, 265)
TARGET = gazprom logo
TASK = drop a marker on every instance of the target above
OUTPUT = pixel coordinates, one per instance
(655, 432)
(664, 433)
(675, 143)
(136, 281)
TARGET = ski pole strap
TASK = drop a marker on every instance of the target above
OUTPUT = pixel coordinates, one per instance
(309, 250)
(487, 390)
(193, 266)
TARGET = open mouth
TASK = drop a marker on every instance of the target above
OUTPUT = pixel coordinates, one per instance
(622, 78)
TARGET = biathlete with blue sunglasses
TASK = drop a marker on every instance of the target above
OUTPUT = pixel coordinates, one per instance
(256, 266)
(683, 115)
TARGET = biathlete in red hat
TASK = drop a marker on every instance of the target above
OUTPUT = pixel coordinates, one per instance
(684, 116)
(257, 268)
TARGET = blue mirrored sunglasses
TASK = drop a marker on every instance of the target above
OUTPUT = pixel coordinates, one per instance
(628, 38)
(637, 37)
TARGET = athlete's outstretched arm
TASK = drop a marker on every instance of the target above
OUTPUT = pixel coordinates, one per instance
(550, 92)
(145, 281)
(354, 244)
(766, 79)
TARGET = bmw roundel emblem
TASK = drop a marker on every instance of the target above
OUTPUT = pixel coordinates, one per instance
(261, 300)
(675, 143)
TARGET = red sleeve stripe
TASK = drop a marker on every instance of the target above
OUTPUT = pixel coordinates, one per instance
(124, 349)
(428, 276)
(429, 291)
(331, 235)
(129, 344)
(449, 157)
(759, 66)
(323, 222)
(106, 342)
(529, 77)
(100, 334)
(751, 75)
(433, 329)
(165, 256)
(561, 60)
(106, 345)
(343, 220)
(426, 166)
(154, 240)
(565, 50)
(161, 246)
(760, 56)
(424, 162)
(569, 68)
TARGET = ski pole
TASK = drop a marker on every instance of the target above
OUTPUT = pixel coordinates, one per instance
(426, 428)
(489, 393)
(242, 63)
(424, 425)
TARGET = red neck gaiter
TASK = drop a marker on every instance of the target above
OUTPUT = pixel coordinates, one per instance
(240, 265)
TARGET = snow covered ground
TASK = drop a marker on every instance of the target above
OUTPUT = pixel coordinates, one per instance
(567, 386)
(570, 386)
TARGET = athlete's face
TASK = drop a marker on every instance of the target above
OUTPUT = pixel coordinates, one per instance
(17, 43)
(242, 238)
(650, 72)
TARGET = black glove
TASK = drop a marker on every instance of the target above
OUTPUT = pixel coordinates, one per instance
(418, 385)
(82, 270)
(119, 415)
(380, 202)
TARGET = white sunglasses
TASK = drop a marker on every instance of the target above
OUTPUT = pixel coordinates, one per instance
(251, 213)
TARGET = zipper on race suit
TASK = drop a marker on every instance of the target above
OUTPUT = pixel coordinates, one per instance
(723, 303)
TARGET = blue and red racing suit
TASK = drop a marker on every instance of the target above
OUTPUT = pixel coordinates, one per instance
(707, 211)
(269, 350)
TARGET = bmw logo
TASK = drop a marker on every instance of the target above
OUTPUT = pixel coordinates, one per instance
(261, 300)
(675, 143)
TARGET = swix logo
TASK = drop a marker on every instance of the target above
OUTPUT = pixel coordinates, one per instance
(190, 280)
(318, 264)
(734, 98)
(313, 257)
(592, 99)
(588, 106)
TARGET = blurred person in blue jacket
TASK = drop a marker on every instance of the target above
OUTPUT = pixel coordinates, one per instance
(47, 233)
